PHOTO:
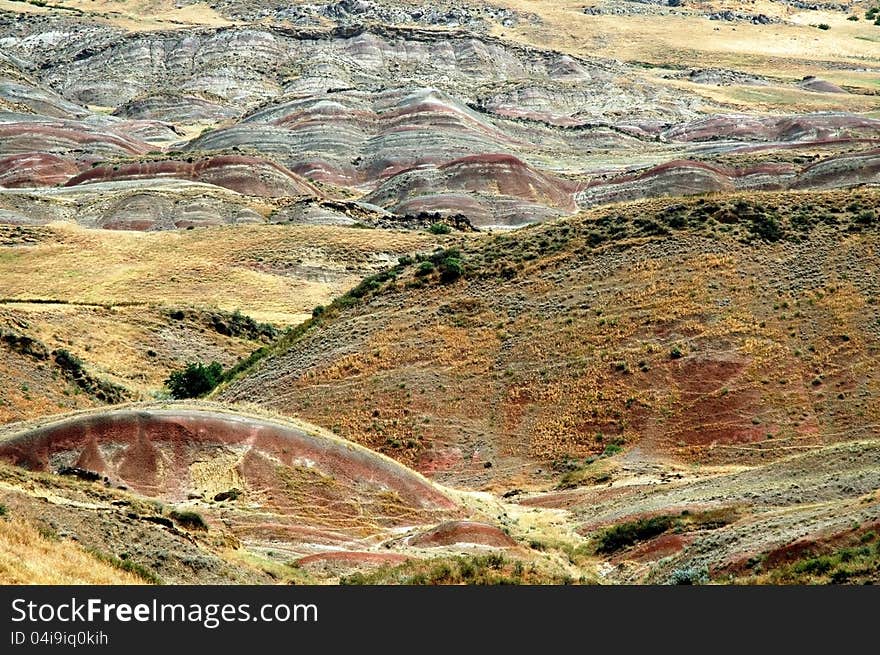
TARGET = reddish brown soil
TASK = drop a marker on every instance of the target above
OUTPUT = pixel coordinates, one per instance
(663, 546)
(35, 169)
(802, 548)
(152, 451)
(247, 175)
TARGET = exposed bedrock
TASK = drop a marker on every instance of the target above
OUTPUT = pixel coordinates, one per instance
(355, 138)
(161, 453)
(490, 189)
(684, 177)
(809, 127)
(246, 175)
(153, 204)
(240, 67)
(35, 169)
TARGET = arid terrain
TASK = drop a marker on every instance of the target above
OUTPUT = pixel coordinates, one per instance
(513, 292)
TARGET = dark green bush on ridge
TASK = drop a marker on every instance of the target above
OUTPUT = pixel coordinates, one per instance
(451, 269)
(194, 381)
(618, 537)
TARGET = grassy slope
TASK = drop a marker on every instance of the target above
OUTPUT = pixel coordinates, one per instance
(29, 557)
(716, 330)
(115, 293)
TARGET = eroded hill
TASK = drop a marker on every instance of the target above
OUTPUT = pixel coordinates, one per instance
(728, 329)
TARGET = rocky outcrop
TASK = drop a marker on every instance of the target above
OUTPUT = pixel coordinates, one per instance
(488, 189)
(809, 127)
(35, 169)
(153, 450)
(682, 178)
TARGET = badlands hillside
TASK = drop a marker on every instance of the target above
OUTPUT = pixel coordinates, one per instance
(520, 291)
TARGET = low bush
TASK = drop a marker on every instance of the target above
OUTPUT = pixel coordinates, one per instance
(194, 381)
(189, 520)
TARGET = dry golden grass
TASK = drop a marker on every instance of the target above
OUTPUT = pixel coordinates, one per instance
(578, 351)
(776, 98)
(272, 273)
(785, 50)
(132, 15)
(28, 557)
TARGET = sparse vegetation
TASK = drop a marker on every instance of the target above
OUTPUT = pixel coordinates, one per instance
(189, 520)
(691, 575)
(27, 557)
(128, 565)
(74, 368)
(857, 563)
(490, 569)
(677, 351)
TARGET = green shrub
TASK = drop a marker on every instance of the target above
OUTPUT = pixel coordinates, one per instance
(691, 575)
(624, 535)
(814, 566)
(440, 228)
(823, 26)
(451, 269)
(68, 361)
(195, 380)
(425, 268)
(189, 520)
(612, 449)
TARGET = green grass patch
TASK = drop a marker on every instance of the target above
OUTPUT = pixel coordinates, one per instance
(128, 565)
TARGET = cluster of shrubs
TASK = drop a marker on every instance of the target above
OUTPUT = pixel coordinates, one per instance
(489, 569)
(623, 535)
(73, 368)
(194, 380)
(448, 263)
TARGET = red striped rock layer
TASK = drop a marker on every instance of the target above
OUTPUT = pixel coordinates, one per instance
(685, 177)
(489, 189)
(788, 128)
(32, 169)
(357, 139)
(306, 485)
(246, 175)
